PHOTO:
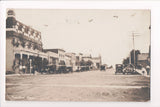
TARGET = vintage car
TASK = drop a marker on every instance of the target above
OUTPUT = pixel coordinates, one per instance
(129, 69)
(49, 69)
(61, 69)
(119, 68)
(69, 69)
(103, 68)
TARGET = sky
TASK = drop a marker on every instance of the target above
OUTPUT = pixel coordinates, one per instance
(97, 32)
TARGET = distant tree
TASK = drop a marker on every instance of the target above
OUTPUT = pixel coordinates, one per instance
(126, 61)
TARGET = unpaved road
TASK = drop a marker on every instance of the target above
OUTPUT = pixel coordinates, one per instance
(78, 86)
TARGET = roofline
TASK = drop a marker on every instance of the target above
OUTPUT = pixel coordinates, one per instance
(28, 26)
(54, 49)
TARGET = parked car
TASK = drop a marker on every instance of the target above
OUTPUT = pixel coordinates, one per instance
(103, 68)
(129, 69)
(49, 69)
(69, 69)
(61, 69)
(119, 68)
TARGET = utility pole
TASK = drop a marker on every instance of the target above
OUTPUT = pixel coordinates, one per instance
(129, 58)
(133, 40)
(133, 48)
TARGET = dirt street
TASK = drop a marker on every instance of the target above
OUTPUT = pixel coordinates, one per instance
(78, 86)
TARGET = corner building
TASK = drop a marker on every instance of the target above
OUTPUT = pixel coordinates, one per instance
(23, 45)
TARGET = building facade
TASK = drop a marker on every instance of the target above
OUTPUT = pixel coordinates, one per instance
(52, 57)
(68, 60)
(143, 59)
(78, 59)
(23, 45)
(73, 60)
(96, 62)
(61, 55)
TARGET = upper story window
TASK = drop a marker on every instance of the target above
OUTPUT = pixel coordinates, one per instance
(20, 27)
(23, 28)
(36, 35)
(32, 32)
(26, 29)
(39, 35)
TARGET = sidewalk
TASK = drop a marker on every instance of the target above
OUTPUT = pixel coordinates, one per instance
(18, 74)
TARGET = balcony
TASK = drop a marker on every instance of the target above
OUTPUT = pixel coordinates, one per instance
(52, 54)
(11, 29)
(26, 34)
(19, 31)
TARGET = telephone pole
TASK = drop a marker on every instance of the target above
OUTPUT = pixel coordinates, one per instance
(133, 47)
(133, 40)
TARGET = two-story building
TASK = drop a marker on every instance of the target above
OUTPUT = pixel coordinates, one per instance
(96, 62)
(23, 45)
(78, 59)
(68, 60)
(73, 60)
(52, 57)
(61, 55)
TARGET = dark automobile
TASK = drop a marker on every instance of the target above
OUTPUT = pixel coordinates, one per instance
(69, 69)
(103, 68)
(84, 68)
(49, 69)
(129, 69)
(52, 69)
(61, 69)
(119, 68)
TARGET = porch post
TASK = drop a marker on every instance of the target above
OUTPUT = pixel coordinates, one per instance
(30, 61)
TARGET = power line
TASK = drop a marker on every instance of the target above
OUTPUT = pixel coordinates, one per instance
(133, 39)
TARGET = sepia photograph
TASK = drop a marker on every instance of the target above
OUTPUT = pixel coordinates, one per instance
(78, 55)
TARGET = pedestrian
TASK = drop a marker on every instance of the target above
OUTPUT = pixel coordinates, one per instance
(20, 69)
(33, 70)
(143, 70)
(24, 68)
(148, 69)
(36, 71)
